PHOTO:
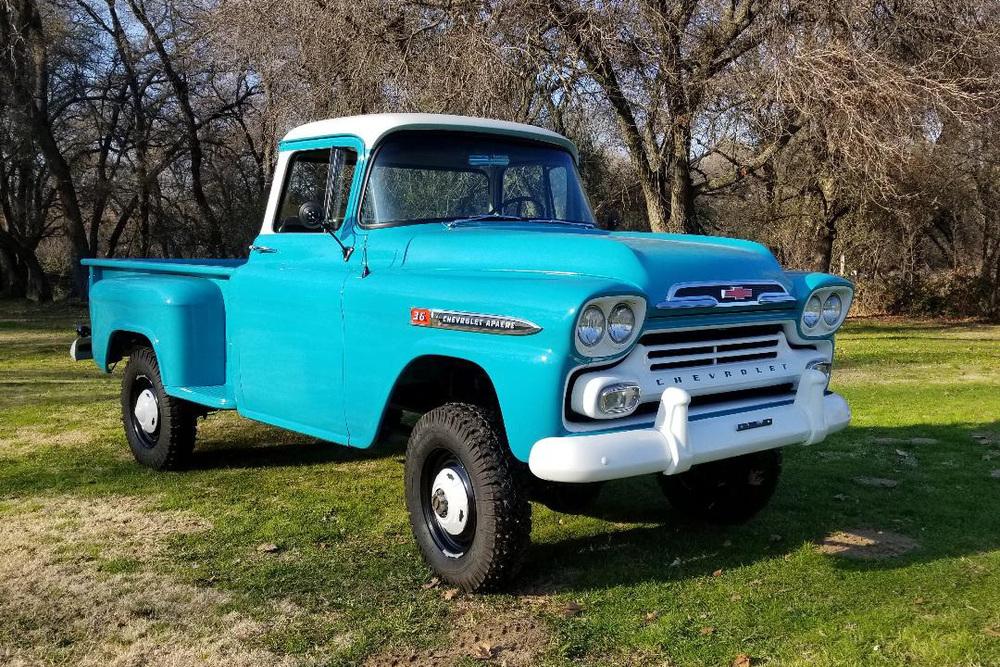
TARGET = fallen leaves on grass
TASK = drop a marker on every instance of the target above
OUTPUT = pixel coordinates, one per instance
(717, 573)
(742, 660)
(267, 548)
(479, 632)
(651, 616)
(707, 630)
(433, 583)
(572, 608)
(450, 594)
(484, 651)
(992, 630)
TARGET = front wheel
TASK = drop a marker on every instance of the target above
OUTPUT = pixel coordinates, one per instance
(468, 511)
(160, 429)
(727, 491)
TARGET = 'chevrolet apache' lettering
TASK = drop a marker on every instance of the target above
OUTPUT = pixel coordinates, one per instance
(444, 319)
(538, 357)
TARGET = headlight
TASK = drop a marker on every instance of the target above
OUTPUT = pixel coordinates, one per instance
(825, 310)
(621, 323)
(832, 308)
(812, 312)
(608, 325)
(590, 328)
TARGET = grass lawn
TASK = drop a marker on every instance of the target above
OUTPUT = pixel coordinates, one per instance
(277, 549)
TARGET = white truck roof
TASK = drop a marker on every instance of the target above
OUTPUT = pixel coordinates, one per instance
(372, 127)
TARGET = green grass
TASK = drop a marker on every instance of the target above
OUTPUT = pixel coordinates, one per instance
(648, 582)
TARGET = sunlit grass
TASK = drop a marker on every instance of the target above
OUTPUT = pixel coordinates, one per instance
(652, 587)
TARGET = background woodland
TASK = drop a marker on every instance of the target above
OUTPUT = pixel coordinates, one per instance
(853, 137)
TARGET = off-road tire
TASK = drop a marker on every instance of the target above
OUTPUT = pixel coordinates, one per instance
(564, 497)
(500, 529)
(725, 492)
(170, 446)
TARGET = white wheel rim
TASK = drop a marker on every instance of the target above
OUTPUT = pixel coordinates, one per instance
(450, 501)
(146, 411)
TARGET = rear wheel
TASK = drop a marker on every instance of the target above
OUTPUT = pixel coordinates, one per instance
(469, 514)
(160, 429)
(728, 491)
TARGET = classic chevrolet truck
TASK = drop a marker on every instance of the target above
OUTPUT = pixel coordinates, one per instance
(451, 266)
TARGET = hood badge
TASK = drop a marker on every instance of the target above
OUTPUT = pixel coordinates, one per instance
(461, 321)
(726, 294)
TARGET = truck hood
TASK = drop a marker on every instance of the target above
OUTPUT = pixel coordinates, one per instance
(649, 262)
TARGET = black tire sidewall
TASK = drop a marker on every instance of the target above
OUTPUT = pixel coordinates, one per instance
(169, 449)
(483, 462)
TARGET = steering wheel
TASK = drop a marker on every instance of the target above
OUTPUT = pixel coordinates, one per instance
(311, 215)
(520, 201)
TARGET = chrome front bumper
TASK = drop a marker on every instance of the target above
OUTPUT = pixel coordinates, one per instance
(675, 443)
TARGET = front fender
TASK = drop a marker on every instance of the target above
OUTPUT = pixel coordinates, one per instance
(527, 372)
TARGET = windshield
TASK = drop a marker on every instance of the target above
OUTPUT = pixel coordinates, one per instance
(449, 176)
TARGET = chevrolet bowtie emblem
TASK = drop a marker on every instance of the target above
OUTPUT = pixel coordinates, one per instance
(737, 293)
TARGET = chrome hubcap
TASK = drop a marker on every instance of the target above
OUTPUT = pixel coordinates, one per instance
(146, 411)
(450, 501)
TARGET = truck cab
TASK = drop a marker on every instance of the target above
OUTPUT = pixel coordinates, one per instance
(451, 267)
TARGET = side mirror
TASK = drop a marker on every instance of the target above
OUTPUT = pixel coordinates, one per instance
(311, 215)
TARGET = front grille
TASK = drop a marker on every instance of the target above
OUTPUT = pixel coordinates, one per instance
(666, 350)
(772, 391)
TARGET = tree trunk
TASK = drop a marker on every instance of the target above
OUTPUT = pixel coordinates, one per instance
(682, 210)
(27, 278)
(12, 281)
(657, 198)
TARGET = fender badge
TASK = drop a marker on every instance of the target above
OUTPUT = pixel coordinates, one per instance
(746, 426)
(460, 321)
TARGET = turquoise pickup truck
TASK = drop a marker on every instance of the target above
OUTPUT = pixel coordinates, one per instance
(451, 267)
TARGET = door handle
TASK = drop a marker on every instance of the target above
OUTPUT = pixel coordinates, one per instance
(263, 249)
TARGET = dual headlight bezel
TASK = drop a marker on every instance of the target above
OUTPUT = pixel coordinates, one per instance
(608, 325)
(825, 310)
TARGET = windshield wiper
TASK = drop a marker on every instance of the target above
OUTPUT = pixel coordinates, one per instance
(486, 216)
(568, 223)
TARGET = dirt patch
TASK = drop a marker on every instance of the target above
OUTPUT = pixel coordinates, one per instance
(28, 437)
(866, 544)
(513, 638)
(877, 482)
(59, 606)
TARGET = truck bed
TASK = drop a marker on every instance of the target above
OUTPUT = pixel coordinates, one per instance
(219, 268)
(178, 306)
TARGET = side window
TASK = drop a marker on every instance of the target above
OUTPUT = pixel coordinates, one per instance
(524, 191)
(558, 179)
(316, 190)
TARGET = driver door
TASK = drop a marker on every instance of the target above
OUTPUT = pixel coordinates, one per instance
(287, 326)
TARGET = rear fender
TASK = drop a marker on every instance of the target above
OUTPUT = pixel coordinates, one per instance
(183, 318)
